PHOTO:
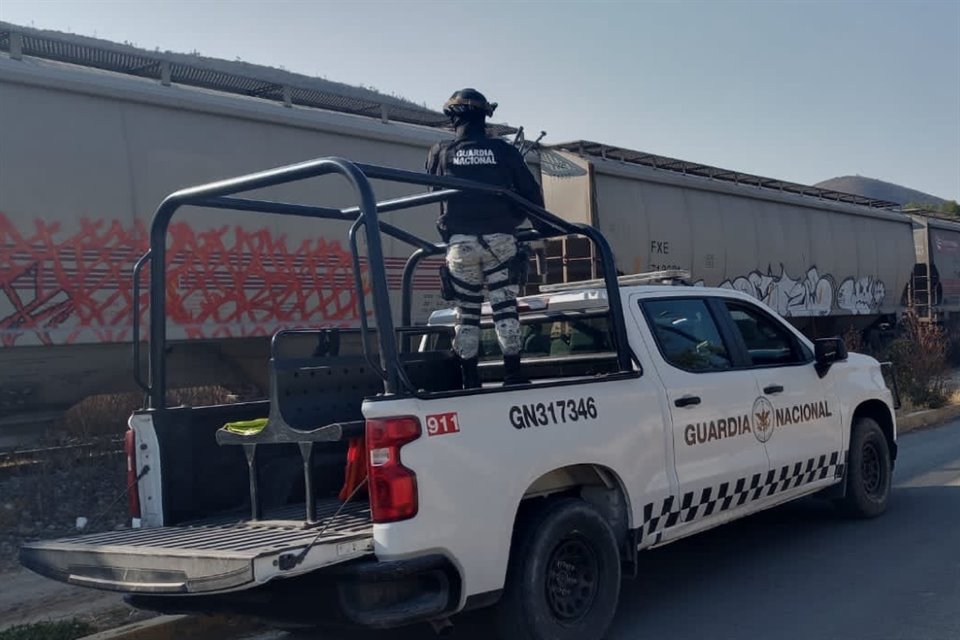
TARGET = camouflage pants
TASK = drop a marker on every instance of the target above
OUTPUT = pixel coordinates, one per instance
(473, 265)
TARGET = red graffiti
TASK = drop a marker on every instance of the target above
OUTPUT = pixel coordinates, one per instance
(59, 287)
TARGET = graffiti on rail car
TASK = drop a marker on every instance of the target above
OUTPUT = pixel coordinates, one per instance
(64, 287)
(813, 294)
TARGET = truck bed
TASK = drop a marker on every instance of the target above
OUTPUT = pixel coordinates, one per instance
(209, 556)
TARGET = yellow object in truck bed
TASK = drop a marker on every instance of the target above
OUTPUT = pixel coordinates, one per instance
(246, 427)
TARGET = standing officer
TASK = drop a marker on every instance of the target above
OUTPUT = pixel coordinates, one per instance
(479, 230)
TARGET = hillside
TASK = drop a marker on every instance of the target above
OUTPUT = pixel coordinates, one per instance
(879, 189)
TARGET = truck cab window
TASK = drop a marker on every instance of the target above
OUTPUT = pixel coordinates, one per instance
(768, 343)
(561, 336)
(687, 335)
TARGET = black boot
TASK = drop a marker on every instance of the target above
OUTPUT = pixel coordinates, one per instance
(471, 375)
(511, 371)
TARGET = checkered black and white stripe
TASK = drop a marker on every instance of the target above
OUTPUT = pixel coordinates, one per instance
(657, 517)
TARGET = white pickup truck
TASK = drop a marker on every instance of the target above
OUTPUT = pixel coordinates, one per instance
(382, 494)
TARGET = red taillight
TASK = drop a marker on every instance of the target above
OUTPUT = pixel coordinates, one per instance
(393, 487)
(133, 491)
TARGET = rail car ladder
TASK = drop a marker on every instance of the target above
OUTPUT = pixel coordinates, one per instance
(921, 292)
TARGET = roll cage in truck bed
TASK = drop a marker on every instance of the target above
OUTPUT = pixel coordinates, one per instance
(366, 215)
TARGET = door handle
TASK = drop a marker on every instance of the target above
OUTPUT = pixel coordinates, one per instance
(687, 401)
(773, 388)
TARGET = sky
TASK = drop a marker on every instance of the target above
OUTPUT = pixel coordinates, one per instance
(800, 91)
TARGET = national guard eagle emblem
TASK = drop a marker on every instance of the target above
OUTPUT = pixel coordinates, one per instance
(763, 419)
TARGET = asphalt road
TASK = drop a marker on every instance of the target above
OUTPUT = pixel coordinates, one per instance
(801, 571)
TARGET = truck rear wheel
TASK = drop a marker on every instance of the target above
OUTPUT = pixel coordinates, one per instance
(563, 580)
(869, 471)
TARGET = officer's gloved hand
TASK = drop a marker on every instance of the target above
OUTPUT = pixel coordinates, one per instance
(540, 260)
(543, 227)
(538, 250)
(535, 225)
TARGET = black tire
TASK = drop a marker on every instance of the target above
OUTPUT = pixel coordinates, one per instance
(869, 471)
(563, 580)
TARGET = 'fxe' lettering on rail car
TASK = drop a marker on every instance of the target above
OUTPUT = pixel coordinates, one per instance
(542, 414)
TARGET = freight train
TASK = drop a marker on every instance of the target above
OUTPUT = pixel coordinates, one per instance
(94, 135)
(827, 261)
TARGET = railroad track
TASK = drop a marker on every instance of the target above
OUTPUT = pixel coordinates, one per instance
(23, 459)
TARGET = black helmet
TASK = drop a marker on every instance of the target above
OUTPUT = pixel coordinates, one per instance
(468, 100)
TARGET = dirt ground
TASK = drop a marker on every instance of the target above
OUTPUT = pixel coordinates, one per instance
(27, 597)
(44, 500)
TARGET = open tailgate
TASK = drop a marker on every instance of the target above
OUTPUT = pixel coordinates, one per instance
(206, 557)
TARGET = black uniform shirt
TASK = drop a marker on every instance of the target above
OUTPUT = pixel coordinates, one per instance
(488, 160)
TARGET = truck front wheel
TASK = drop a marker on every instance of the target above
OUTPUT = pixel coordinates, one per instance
(563, 580)
(868, 471)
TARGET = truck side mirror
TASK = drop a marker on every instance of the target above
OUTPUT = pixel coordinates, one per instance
(828, 351)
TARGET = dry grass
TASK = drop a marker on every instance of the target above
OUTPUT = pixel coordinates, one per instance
(105, 416)
(201, 396)
(99, 416)
(907, 407)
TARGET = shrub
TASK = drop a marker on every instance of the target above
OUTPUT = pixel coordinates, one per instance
(100, 416)
(920, 356)
(106, 415)
(853, 339)
(953, 346)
